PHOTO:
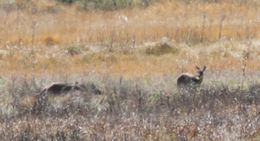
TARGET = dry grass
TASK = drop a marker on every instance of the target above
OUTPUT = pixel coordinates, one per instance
(46, 37)
(131, 109)
(146, 60)
(193, 23)
(133, 56)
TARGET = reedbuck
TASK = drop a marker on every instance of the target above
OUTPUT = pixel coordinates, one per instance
(187, 80)
(53, 89)
(60, 88)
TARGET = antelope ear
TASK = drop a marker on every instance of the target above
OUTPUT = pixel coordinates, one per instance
(204, 68)
(198, 68)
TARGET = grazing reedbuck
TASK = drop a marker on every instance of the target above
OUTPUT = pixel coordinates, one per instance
(187, 80)
(61, 88)
(54, 89)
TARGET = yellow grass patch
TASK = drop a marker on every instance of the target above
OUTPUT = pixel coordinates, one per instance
(41, 41)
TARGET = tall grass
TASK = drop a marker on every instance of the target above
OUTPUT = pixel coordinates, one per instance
(53, 24)
(132, 56)
(130, 109)
(151, 59)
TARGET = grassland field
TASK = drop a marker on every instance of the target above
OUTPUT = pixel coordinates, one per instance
(133, 56)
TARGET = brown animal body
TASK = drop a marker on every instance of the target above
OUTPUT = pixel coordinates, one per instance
(53, 89)
(187, 80)
(61, 88)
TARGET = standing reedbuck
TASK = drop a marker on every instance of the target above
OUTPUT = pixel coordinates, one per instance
(187, 80)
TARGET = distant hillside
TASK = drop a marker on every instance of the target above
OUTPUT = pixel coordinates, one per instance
(109, 4)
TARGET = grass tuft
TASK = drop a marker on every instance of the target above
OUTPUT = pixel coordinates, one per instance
(161, 49)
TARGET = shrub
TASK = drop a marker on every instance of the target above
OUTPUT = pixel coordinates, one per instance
(161, 49)
(76, 50)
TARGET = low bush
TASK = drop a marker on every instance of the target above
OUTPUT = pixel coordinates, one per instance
(161, 49)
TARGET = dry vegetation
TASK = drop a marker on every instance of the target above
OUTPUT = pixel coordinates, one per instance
(46, 36)
(131, 109)
(133, 55)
